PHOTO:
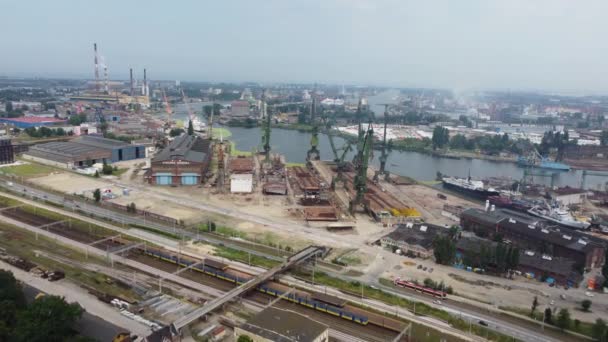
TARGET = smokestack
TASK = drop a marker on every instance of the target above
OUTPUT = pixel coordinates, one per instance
(105, 75)
(96, 67)
(145, 87)
(131, 80)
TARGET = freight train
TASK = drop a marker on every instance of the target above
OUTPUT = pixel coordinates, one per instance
(266, 288)
(416, 287)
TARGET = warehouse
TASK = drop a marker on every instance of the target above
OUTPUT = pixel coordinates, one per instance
(241, 174)
(119, 150)
(84, 151)
(414, 239)
(279, 325)
(183, 162)
(527, 232)
(32, 121)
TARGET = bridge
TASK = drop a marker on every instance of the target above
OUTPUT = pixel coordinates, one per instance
(215, 303)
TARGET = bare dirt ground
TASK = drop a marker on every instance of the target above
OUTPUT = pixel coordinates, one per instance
(425, 200)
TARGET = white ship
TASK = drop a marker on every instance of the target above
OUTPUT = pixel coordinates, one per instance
(198, 125)
(559, 216)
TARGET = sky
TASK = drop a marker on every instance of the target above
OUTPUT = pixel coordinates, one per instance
(456, 44)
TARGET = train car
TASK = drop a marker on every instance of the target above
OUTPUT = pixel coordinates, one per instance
(426, 290)
(264, 288)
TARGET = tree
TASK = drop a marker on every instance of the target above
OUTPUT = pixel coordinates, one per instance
(444, 250)
(96, 174)
(216, 109)
(190, 128)
(599, 330)
(107, 168)
(207, 110)
(176, 132)
(563, 319)
(441, 136)
(548, 316)
(534, 306)
(604, 138)
(8, 106)
(49, 318)
(97, 195)
(586, 305)
(244, 338)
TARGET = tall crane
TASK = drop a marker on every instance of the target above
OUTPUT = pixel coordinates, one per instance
(384, 155)
(167, 107)
(313, 153)
(190, 113)
(266, 137)
(360, 134)
(338, 158)
(360, 181)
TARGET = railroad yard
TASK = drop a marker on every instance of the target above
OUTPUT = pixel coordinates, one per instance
(380, 327)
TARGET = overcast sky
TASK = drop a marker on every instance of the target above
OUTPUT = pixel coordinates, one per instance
(457, 44)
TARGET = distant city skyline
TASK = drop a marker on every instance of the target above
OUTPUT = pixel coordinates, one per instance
(550, 45)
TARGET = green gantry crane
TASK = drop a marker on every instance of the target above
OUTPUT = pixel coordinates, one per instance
(384, 155)
(338, 158)
(266, 137)
(360, 181)
(313, 153)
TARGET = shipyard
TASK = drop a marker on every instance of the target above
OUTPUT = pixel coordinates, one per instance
(304, 172)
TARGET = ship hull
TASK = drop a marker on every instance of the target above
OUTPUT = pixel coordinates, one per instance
(479, 194)
(571, 225)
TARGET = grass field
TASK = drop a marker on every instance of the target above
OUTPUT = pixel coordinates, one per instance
(233, 254)
(585, 328)
(221, 133)
(27, 170)
(23, 244)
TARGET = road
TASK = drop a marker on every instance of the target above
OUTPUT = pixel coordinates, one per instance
(96, 309)
(471, 316)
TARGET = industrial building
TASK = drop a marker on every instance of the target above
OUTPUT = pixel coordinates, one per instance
(183, 162)
(241, 174)
(531, 264)
(32, 121)
(416, 239)
(7, 153)
(277, 325)
(84, 151)
(530, 233)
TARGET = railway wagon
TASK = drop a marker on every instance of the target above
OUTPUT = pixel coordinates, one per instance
(426, 290)
(266, 288)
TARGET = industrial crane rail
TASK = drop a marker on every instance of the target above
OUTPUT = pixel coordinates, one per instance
(211, 305)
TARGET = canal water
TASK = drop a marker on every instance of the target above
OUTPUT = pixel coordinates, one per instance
(294, 145)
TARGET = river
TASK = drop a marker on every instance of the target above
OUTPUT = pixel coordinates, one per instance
(293, 145)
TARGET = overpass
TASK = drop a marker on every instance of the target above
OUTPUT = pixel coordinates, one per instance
(215, 303)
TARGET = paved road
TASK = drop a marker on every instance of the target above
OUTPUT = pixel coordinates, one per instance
(112, 319)
(493, 323)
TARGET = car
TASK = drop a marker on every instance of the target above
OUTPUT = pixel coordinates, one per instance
(589, 294)
(431, 270)
(562, 296)
(483, 323)
(419, 266)
(437, 301)
(424, 268)
(552, 303)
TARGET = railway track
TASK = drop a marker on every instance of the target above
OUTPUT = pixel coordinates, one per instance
(370, 332)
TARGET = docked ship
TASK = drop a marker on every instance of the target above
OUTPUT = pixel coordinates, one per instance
(511, 203)
(543, 163)
(559, 216)
(467, 186)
